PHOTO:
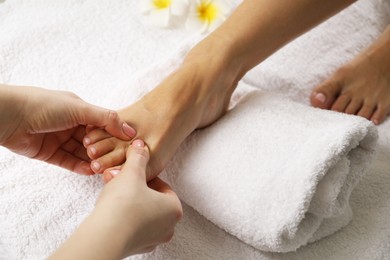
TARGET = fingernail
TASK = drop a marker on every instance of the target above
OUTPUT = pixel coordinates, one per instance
(320, 97)
(114, 172)
(96, 165)
(87, 141)
(138, 143)
(375, 121)
(92, 150)
(128, 130)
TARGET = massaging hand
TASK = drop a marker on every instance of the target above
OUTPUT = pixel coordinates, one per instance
(50, 125)
(153, 209)
(130, 216)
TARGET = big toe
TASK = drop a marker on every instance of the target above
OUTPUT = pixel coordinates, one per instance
(324, 95)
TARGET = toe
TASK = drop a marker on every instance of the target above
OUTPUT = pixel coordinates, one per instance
(380, 114)
(324, 94)
(341, 103)
(95, 136)
(367, 110)
(354, 106)
(103, 147)
(114, 158)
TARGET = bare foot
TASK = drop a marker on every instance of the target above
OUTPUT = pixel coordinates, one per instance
(361, 87)
(192, 97)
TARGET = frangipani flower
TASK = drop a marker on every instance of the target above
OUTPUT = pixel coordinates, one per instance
(206, 15)
(160, 12)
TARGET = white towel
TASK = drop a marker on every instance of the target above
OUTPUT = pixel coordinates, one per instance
(94, 49)
(274, 173)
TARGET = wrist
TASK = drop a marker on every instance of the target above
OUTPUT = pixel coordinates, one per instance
(100, 236)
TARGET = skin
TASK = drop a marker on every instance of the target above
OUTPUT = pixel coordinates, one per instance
(35, 124)
(362, 86)
(135, 215)
(198, 93)
(130, 217)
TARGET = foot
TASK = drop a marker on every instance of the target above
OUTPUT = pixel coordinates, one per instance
(164, 117)
(361, 87)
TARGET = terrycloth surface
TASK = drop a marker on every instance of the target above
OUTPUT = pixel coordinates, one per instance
(93, 49)
(273, 178)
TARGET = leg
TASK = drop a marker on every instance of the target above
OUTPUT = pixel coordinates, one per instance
(361, 87)
(164, 117)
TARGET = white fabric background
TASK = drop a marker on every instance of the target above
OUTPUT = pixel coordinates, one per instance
(93, 49)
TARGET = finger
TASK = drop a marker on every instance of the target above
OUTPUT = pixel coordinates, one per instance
(75, 148)
(107, 119)
(79, 134)
(110, 173)
(90, 128)
(137, 157)
(159, 185)
(68, 161)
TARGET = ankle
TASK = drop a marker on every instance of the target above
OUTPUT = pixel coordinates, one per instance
(214, 74)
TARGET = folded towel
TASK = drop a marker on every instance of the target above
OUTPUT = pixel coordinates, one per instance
(92, 49)
(274, 173)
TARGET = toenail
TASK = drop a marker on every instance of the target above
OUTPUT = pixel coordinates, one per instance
(115, 172)
(320, 97)
(96, 165)
(92, 150)
(87, 141)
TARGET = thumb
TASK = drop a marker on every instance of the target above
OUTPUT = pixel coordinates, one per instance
(107, 119)
(137, 157)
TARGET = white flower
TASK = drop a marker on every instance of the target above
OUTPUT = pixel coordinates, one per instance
(206, 15)
(160, 12)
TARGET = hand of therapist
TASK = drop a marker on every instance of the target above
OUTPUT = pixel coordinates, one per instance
(49, 125)
(130, 217)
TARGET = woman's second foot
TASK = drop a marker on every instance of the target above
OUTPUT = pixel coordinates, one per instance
(361, 87)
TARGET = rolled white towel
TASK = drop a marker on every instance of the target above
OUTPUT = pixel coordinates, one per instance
(275, 173)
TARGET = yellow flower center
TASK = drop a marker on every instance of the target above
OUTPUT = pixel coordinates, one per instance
(162, 4)
(207, 11)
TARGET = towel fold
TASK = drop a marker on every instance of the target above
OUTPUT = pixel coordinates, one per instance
(42, 44)
(275, 173)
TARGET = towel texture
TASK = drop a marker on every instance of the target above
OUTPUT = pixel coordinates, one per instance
(274, 173)
(274, 179)
(94, 50)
